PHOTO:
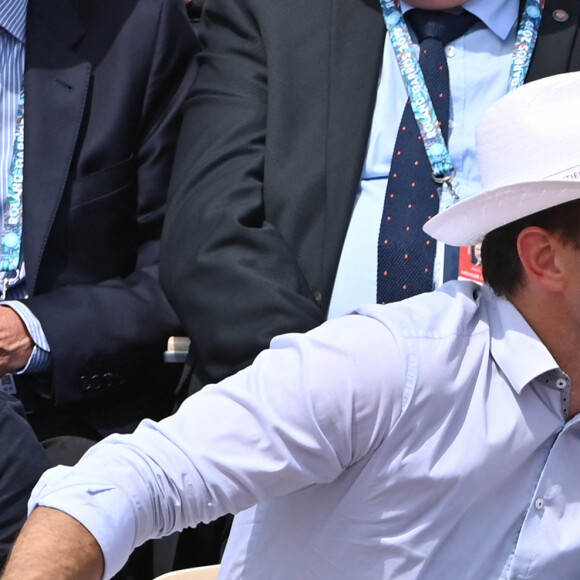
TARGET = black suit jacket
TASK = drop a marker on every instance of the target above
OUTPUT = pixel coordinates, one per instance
(269, 163)
(104, 86)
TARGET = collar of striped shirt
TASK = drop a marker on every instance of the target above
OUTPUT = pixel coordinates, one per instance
(13, 17)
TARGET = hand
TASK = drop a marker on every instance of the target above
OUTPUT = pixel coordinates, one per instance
(15, 343)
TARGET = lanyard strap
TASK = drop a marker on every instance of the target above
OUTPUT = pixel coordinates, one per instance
(525, 42)
(435, 147)
(12, 226)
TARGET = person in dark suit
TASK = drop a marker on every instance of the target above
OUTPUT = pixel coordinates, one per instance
(22, 462)
(273, 146)
(85, 323)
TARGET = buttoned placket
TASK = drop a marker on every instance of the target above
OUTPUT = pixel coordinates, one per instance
(551, 498)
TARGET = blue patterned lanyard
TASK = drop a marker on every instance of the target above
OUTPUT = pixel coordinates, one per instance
(12, 226)
(435, 147)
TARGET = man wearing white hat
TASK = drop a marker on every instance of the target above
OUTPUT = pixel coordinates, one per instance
(432, 438)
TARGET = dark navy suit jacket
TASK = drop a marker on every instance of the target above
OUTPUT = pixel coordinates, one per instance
(104, 84)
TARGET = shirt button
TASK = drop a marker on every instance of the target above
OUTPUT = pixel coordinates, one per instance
(539, 503)
(452, 124)
(450, 51)
(561, 383)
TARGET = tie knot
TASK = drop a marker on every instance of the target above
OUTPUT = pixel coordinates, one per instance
(442, 26)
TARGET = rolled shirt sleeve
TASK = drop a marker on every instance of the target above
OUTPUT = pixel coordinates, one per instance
(307, 409)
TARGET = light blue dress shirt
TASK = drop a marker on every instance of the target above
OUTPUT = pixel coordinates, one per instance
(12, 50)
(479, 65)
(426, 439)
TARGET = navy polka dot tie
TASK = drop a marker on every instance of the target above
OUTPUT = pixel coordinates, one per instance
(405, 253)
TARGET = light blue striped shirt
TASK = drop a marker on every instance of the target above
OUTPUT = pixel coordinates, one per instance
(12, 46)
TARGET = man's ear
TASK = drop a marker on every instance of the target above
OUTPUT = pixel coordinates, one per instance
(540, 254)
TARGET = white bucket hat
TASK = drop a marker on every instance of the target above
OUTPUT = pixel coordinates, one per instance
(528, 150)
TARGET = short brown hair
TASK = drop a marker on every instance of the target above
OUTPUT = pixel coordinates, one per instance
(502, 268)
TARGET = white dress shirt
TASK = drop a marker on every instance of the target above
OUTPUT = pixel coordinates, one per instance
(423, 439)
(479, 64)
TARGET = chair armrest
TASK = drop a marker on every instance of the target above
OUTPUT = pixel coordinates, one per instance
(177, 349)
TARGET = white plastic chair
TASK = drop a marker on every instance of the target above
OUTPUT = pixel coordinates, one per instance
(200, 573)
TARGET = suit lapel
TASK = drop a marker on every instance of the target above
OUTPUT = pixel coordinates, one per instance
(56, 87)
(556, 40)
(357, 39)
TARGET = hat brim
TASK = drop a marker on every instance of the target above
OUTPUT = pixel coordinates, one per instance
(467, 222)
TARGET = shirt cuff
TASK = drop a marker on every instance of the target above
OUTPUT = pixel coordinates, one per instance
(103, 509)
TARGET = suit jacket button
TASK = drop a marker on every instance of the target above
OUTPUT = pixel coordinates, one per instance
(108, 380)
(318, 297)
(86, 383)
(97, 382)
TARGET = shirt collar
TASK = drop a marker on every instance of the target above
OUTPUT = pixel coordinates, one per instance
(498, 15)
(13, 17)
(515, 347)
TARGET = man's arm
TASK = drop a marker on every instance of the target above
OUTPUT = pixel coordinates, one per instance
(230, 274)
(52, 545)
(222, 450)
